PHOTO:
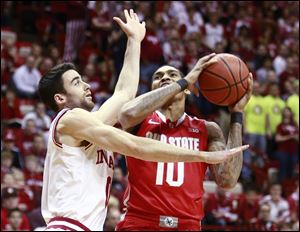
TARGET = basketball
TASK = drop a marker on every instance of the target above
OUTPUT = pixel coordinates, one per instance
(224, 83)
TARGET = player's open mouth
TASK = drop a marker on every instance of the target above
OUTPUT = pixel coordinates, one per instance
(165, 84)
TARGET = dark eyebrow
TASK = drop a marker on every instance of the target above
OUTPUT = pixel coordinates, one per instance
(168, 71)
(74, 79)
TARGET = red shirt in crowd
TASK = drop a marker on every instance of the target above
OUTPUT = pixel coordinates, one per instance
(290, 146)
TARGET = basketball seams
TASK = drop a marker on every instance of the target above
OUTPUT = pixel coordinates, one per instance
(225, 86)
(228, 67)
(227, 82)
(218, 80)
(240, 72)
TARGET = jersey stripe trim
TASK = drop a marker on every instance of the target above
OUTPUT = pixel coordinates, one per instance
(60, 227)
(64, 221)
(54, 129)
(88, 146)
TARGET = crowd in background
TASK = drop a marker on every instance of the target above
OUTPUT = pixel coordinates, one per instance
(35, 36)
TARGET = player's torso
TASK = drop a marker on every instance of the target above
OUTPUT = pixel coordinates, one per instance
(76, 182)
(170, 189)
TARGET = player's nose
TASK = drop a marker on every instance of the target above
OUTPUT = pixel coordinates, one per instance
(86, 86)
(165, 78)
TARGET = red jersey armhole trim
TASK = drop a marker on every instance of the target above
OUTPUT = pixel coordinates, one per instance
(71, 221)
(54, 131)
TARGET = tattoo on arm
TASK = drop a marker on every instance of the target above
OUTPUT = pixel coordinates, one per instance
(227, 173)
(137, 109)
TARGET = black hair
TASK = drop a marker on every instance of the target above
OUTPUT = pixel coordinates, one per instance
(11, 211)
(52, 83)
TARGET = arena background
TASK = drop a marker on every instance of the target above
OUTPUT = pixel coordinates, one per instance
(264, 34)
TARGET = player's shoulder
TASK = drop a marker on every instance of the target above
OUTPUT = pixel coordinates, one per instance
(152, 118)
(72, 118)
(195, 120)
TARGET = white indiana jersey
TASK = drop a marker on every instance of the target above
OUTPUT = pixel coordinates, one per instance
(76, 184)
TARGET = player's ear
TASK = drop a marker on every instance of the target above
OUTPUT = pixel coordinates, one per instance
(60, 98)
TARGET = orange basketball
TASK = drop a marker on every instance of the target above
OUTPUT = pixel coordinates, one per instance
(225, 82)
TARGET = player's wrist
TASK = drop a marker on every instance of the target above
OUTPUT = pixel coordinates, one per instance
(236, 117)
(183, 83)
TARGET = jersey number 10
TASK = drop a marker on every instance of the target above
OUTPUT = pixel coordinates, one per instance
(170, 174)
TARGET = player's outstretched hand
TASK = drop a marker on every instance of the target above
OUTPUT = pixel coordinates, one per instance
(193, 75)
(216, 157)
(133, 27)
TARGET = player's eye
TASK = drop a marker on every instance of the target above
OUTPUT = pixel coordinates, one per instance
(156, 78)
(77, 82)
(173, 75)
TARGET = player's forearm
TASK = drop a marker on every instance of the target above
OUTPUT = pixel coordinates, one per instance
(129, 75)
(227, 173)
(136, 110)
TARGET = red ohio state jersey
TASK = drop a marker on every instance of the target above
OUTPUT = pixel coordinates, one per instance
(168, 189)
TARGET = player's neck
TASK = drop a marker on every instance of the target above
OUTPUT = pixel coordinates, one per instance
(173, 111)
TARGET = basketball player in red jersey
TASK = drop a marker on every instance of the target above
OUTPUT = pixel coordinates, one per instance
(168, 196)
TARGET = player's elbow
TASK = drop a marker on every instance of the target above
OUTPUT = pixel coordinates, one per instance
(126, 117)
(226, 184)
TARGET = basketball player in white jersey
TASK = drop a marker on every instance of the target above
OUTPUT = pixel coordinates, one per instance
(79, 163)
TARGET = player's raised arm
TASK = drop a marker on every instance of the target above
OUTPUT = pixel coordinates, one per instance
(127, 84)
(83, 125)
(135, 111)
(226, 174)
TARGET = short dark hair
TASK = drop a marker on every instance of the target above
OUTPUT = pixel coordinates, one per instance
(51, 83)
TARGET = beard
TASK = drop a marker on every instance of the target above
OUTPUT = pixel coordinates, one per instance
(83, 103)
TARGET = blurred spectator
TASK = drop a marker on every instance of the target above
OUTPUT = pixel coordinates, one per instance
(26, 79)
(119, 185)
(213, 30)
(34, 178)
(10, 200)
(221, 208)
(24, 192)
(293, 101)
(279, 206)
(248, 206)
(55, 55)
(6, 163)
(293, 201)
(287, 138)
(75, 29)
(280, 62)
(173, 49)
(9, 144)
(256, 118)
(27, 135)
(290, 73)
(255, 125)
(151, 56)
(260, 57)
(101, 24)
(38, 148)
(262, 72)
(112, 219)
(191, 18)
(36, 52)
(46, 64)
(274, 107)
(14, 220)
(39, 116)
(36, 219)
(10, 109)
(263, 222)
